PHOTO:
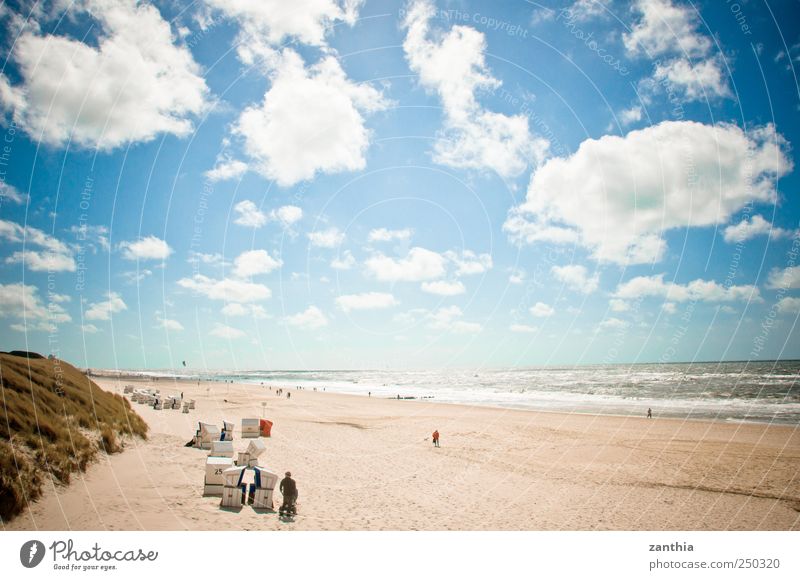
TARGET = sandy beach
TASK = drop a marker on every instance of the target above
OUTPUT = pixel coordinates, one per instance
(366, 463)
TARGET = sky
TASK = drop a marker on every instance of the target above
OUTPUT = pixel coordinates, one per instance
(346, 184)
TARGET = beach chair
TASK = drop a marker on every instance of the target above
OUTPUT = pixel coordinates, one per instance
(227, 431)
(207, 433)
(221, 449)
(262, 489)
(214, 481)
(255, 450)
(234, 492)
(250, 428)
(185, 408)
(265, 427)
(191, 403)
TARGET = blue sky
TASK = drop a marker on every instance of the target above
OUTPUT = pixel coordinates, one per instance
(375, 184)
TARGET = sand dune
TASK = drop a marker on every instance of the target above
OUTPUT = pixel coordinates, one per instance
(368, 464)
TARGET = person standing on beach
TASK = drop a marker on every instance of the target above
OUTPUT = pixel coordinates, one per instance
(288, 488)
(436, 438)
(649, 413)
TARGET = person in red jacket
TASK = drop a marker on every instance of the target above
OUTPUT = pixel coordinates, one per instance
(436, 438)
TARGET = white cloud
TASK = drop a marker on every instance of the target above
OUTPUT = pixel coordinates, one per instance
(226, 169)
(613, 323)
(755, 226)
(584, 10)
(234, 309)
(21, 301)
(91, 236)
(542, 310)
(105, 309)
(449, 319)
(788, 305)
(453, 65)
(618, 305)
(329, 238)
(385, 235)
(9, 192)
(669, 307)
(418, 265)
(697, 290)
(617, 195)
(469, 263)
(55, 257)
(149, 248)
(310, 319)
(276, 21)
(517, 276)
(89, 329)
(136, 276)
(667, 30)
(249, 214)
(786, 278)
(226, 289)
(365, 301)
(577, 278)
(201, 258)
(311, 120)
(629, 116)
(444, 288)
(227, 332)
(170, 324)
(131, 84)
(254, 262)
(522, 328)
(343, 262)
(288, 215)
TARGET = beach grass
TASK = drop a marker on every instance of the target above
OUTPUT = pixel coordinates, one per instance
(53, 422)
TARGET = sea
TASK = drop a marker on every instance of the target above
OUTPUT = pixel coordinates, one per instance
(763, 392)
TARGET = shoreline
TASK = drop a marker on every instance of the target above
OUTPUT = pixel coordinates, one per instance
(367, 463)
(433, 400)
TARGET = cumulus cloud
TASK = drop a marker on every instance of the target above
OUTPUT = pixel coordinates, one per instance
(329, 238)
(613, 323)
(9, 192)
(103, 310)
(310, 319)
(697, 290)
(668, 31)
(469, 263)
(287, 215)
(169, 324)
(755, 226)
(53, 255)
(386, 235)
(249, 214)
(343, 262)
(617, 195)
(226, 289)
(618, 305)
(785, 278)
(444, 288)
(789, 305)
(148, 248)
(542, 310)
(89, 329)
(227, 332)
(226, 169)
(366, 301)
(449, 319)
(417, 266)
(255, 311)
(131, 84)
(22, 302)
(254, 262)
(630, 116)
(577, 278)
(310, 121)
(453, 65)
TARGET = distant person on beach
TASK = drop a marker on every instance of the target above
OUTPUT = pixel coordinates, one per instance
(649, 413)
(369, 394)
(436, 438)
(288, 488)
(288, 395)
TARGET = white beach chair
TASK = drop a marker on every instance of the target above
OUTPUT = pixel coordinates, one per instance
(221, 449)
(227, 431)
(263, 488)
(250, 428)
(185, 408)
(208, 433)
(214, 481)
(191, 403)
(234, 492)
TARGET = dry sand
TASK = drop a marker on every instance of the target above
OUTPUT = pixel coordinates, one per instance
(369, 464)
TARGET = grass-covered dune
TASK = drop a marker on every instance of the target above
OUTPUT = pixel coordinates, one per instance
(53, 421)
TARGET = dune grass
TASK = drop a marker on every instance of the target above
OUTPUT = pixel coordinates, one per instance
(53, 421)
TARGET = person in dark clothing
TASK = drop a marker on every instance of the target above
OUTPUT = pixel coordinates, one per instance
(288, 488)
(649, 413)
(436, 438)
